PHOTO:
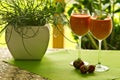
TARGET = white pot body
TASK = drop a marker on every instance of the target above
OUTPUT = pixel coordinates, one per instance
(27, 48)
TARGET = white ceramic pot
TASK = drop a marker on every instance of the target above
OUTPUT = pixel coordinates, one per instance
(31, 44)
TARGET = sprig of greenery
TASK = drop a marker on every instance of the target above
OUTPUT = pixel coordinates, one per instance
(100, 6)
(102, 15)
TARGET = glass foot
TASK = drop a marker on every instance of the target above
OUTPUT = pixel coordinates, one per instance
(101, 68)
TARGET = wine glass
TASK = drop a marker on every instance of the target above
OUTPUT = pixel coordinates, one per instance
(100, 28)
(79, 23)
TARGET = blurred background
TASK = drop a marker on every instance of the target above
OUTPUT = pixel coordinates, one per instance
(62, 36)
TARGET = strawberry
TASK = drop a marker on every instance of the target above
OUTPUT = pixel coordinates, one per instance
(83, 69)
(78, 63)
(91, 68)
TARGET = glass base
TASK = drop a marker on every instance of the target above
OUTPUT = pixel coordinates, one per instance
(101, 68)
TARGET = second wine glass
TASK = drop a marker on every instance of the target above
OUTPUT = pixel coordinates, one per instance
(100, 27)
(79, 23)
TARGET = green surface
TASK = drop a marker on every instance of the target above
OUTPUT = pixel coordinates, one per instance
(55, 65)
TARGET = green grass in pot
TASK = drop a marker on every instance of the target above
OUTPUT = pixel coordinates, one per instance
(20, 13)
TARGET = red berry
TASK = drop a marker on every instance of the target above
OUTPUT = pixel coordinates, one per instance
(78, 63)
(83, 69)
(91, 68)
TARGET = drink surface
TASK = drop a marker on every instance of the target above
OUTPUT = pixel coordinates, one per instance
(100, 29)
(79, 23)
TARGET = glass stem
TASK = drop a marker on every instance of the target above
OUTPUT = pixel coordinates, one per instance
(100, 43)
(79, 47)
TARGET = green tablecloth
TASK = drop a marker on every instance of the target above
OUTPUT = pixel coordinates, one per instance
(56, 65)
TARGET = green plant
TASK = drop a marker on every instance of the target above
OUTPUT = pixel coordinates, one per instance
(20, 13)
(27, 16)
